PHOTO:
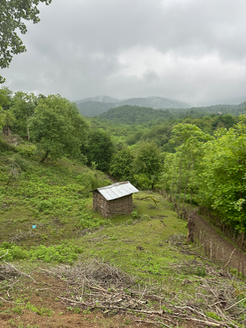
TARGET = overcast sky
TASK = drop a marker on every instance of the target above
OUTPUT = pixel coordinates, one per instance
(190, 50)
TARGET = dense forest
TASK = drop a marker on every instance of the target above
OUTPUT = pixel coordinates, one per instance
(128, 114)
(197, 157)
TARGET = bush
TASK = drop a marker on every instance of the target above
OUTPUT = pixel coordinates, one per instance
(14, 252)
(44, 205)
(88, 221)
(59, 254)
(26, 150)
(5, 146)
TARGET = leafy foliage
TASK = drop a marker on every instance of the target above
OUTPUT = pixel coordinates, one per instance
(57, 127)
(99, 149)
(63, 253)
(121, 165)
(89, 221)
(209, 169)
(8, 120)
(130, 115)
(134, 114)
(5, 98)
(147, 164)
(12, 15)
(222, 179)
(22, 106)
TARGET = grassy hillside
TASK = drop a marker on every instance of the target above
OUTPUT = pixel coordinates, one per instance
(137, 266)
(52, 196)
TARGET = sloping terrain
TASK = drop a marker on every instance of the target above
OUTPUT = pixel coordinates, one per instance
(98, 105)
(134, 115)
(62, 265)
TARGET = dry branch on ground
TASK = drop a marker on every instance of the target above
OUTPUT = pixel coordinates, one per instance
(96, 284)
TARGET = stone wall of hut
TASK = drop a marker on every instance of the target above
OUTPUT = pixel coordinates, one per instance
(121, 205)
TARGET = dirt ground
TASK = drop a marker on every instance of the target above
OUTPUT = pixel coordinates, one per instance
(45, 295)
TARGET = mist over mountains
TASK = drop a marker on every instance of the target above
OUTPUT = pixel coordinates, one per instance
(100, 104)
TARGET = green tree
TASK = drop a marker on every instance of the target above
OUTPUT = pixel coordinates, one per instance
(222, 178)
(8, 120)
(224, 121)
(1, 120)
(99, 149)
(23, 105)
(58, 128)
(147, 164)
(121, 165)
(12, 14)
(189, 140)
(5, 98)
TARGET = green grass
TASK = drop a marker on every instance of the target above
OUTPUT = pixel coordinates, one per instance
(55, 198)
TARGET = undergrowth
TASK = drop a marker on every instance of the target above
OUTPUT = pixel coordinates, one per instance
(54, 197)
(64, 253)
(46, 215)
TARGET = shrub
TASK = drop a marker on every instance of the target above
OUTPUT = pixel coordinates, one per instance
(27, 150)
(88, 221)
(59, 254)
(14, 252)
(44, 205)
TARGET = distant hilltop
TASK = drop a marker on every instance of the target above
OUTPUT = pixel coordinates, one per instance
(100, 104)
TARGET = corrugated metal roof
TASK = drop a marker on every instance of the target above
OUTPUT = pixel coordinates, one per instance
(117, 190)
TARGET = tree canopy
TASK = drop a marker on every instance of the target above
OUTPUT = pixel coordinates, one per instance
(222, 183)
(121, 165)
(147, 164)
(23, 105)
(99, 149)
(12, 14)
(57, 127)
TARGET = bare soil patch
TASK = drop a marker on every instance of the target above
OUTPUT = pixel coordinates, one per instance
(44, 294)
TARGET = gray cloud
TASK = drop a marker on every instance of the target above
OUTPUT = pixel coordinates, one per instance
(191, 50)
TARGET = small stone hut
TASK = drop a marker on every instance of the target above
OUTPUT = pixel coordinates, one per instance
(114, 199)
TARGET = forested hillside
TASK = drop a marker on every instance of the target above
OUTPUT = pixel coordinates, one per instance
(138, 115)
(134, 114)
(51, 158)
(98, 105)
(201, 157)
(152, 148)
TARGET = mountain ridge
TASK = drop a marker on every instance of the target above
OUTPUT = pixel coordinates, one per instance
(100, 104)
